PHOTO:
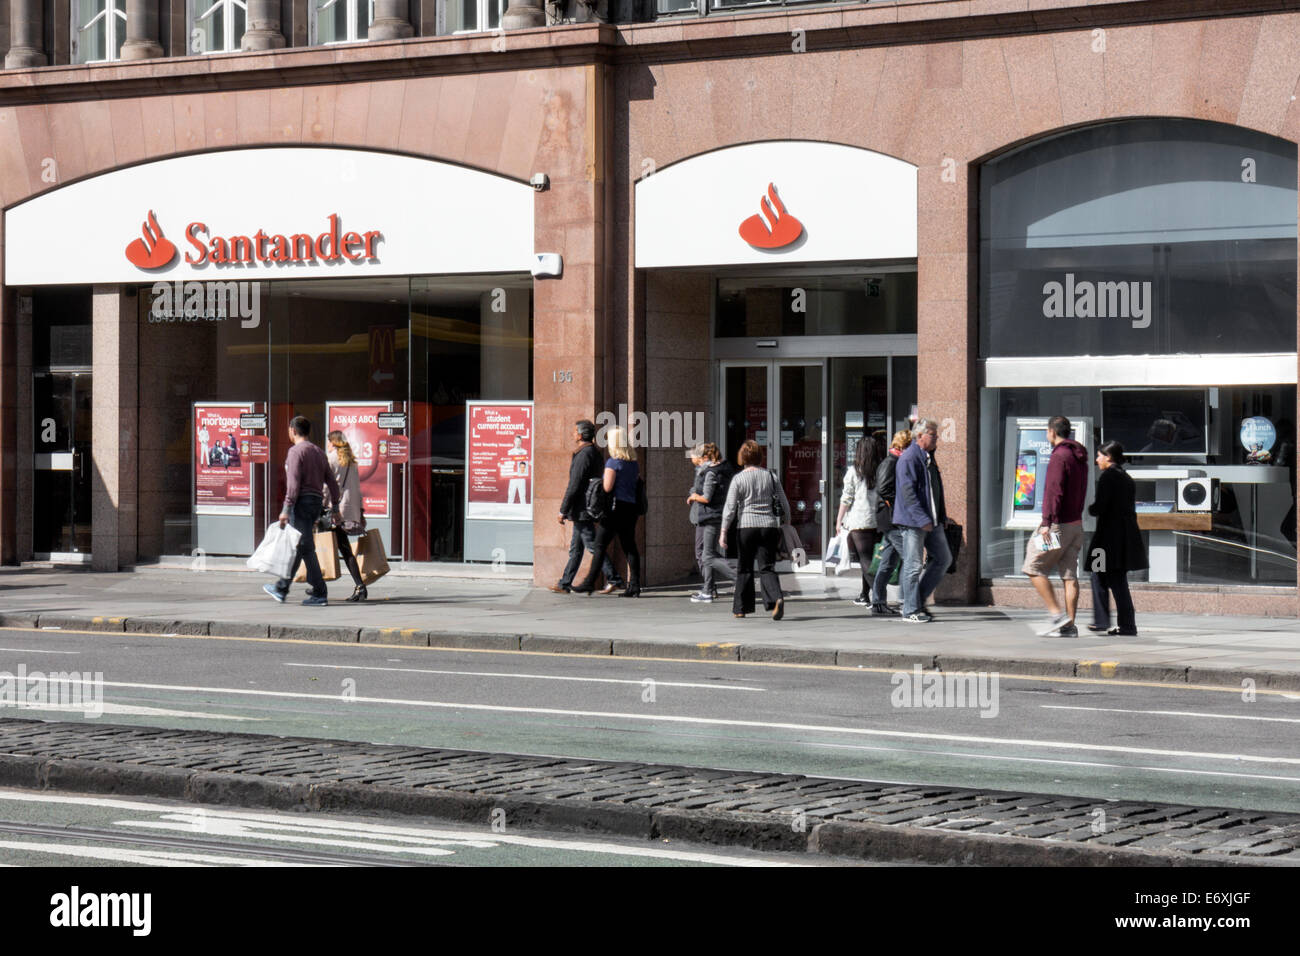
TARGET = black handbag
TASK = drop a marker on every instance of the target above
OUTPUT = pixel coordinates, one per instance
(953, 533)
(597, 499)
(642, 500)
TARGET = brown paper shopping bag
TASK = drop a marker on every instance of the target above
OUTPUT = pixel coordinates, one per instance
(371, 560)
(328, 556)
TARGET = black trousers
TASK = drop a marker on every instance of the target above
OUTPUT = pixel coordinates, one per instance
(349, 559)
(864, 544)
(1104, 584)
(621, 524)
(756, 545)
(306, 509)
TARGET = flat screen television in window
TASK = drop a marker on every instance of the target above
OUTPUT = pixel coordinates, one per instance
(1156, 421)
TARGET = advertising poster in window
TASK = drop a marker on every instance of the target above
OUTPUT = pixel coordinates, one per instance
(359, 423)
(223, 473)
(499, 461)
(1027, 451)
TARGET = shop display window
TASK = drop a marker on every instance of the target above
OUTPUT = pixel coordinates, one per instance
(340, 352)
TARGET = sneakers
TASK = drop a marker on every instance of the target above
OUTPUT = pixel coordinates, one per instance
(1054, 622)
(315, 601)
(702, 597)
(275, 592)
(778, 612)
(609, 589)
(920, 617)
(861, 601)
(1067, 629)
(884, 610)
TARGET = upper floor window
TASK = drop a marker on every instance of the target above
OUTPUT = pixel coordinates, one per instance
(341, 21)
(98, 30)
(472, 16)
(217, 26)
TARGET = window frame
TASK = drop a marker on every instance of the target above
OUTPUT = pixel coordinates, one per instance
(231, 43)
(110, 43)
(313, 19)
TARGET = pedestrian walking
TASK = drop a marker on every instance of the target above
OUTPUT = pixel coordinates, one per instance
(307, 471)
(343, 465)
(857, 513)
(621, 479)
(756, 507)
(707, 499)
(1116, 547)
(891, 551)
(1059, 538)
(587, 463)
(919, 516)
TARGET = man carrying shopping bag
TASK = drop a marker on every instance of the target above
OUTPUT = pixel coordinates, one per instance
(307, 471)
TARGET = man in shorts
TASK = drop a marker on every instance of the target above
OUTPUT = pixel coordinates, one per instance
(1064, 491)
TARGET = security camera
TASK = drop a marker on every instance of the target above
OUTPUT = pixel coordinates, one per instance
(540, 181)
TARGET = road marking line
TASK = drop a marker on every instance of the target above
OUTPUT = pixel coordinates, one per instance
(835, 668)
(126, 710)
(585, 680)
(142, 857)
(25, 650)
(713, 721)
(1173, 713)
(345, 827)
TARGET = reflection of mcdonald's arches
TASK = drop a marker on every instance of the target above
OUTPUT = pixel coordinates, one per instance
(383, 345)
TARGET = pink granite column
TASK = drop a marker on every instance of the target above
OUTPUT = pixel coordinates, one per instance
(114, 433)
(947, 342)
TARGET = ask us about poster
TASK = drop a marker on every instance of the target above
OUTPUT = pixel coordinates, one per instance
(499, 461)
(223, 473)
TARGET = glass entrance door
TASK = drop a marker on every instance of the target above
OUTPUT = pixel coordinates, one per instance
(61, 492)
(779, 404)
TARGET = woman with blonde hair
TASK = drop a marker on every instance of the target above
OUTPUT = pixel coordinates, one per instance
(622, 483)
(352, 521)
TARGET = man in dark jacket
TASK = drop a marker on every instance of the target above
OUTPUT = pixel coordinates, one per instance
(307, 474)
(917, 516)
(587, 463)
(891, 550)
(1059, 538)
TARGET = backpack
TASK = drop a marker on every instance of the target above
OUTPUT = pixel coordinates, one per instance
(725, 473)
(597, 501)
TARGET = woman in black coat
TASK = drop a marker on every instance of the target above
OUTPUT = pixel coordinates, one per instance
(1116, 547)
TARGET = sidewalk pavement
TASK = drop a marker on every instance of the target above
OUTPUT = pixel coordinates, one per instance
(502, 612)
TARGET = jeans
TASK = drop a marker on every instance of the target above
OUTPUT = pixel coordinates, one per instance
(621, 523)
(890, 557)
(1104, 584)
(583, 539)
(708, 558)
(305, 512)
(756, 544)
(918, 585)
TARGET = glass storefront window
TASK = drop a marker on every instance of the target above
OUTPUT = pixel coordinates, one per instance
(1252, 538)
(340, 352)
(1139, 237)
(865, 304)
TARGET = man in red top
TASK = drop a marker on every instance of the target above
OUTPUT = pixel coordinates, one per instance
(307, 473)
(1064, 491)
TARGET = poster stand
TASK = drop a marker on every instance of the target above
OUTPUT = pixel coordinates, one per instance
(222, 479)
(499, 482)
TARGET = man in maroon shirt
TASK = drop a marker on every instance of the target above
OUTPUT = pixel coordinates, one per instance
(307, 473)
(1064, 491)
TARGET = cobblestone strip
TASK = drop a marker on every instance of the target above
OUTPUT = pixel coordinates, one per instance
(595, 793)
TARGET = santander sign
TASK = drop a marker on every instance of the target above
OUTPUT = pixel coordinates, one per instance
(771, 227)
(154, 251)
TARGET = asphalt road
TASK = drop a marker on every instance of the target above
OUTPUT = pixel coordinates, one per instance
(1101, 739)
(59, 829)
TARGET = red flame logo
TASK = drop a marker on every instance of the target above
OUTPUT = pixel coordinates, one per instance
(152, 251)
(772, 227)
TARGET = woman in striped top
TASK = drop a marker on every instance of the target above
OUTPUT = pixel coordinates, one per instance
(757, 506)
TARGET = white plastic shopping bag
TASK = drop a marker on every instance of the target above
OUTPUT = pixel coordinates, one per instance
(837, 553)
(275, 554)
